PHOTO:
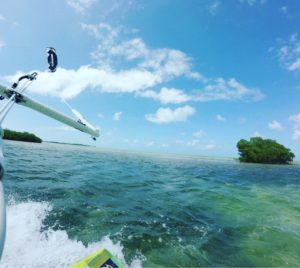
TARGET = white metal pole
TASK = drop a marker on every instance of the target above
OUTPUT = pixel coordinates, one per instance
(2, 200)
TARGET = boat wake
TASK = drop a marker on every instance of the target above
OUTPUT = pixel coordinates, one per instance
(26, 246)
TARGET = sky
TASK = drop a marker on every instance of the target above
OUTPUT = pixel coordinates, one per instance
(174, 76)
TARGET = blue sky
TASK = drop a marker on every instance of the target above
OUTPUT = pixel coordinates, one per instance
(189, 77)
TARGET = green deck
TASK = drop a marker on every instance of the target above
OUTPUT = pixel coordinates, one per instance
(100, 258)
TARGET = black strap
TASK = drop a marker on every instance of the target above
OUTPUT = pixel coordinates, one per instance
(30, 77)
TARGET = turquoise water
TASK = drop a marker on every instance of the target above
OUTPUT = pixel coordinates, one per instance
(149, 210)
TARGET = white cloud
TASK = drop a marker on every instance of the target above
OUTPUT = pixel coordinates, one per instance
(296, 134)
(214, 7)
(210, 145)
(296, 125)
(150, 143)
(164, 145)
(132, 49)
(249, 2)
(67, 84)
(112, 9)
(100, 115)
(275, 125)
(193, 143)
(283, 10)
(228, 90)
(170, 63)
(2, 18)
(166, 95)
(243, 120)
(257, 134)
(163, 62)
(295, 119)
(289, 53)
(199, 134)
(117, 116)
(253, 2)
(167, 115)
(196, 143)
(80, 5)
(179, 142)
(2, 44)
(295, 65)
(220, 117)
(145, 68)
(102, 31)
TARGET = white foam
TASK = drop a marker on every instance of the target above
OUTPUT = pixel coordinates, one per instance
(27, 247)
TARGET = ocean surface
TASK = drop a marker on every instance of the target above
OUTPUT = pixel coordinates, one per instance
(66, 201)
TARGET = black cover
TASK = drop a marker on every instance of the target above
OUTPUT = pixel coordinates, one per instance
(52, 59)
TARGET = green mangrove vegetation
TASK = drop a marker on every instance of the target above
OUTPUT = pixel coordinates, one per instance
(20, 136)
(265, 151)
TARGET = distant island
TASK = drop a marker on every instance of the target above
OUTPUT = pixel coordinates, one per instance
(66, 143)
(265, 151)
(20, 136)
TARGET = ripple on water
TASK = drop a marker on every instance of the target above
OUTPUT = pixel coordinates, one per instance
(160, 210)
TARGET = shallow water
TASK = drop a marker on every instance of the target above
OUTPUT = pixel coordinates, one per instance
(147, 209)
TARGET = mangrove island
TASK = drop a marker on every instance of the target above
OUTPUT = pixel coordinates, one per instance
(20, 136)
(265, 151)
